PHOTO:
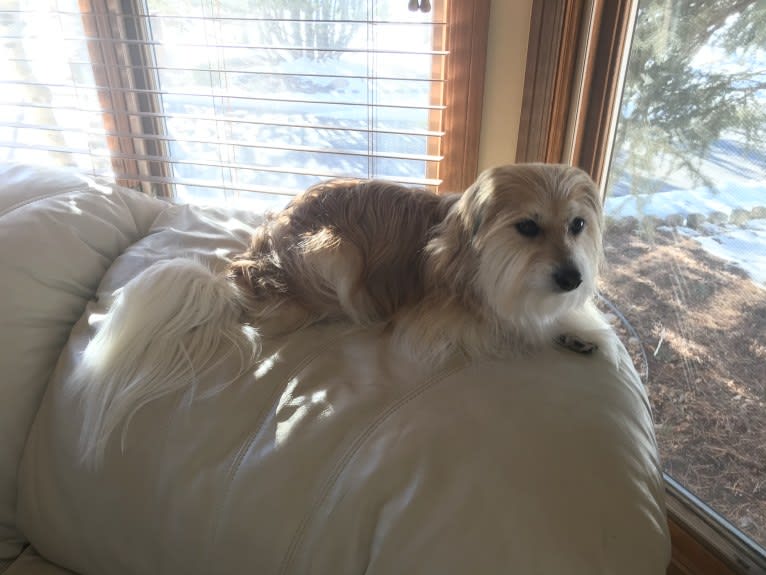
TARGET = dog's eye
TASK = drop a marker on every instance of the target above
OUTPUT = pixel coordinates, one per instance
(576, 226)
(528, 228)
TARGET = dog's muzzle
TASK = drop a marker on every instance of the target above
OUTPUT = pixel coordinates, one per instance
(567, 277)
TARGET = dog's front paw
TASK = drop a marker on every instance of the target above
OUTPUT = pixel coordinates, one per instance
(575, 344)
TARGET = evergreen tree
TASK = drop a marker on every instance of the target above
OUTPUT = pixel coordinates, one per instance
(676, 102)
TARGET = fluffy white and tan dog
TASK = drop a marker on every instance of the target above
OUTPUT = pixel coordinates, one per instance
(508, 266)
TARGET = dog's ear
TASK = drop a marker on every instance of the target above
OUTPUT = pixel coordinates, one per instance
(592, 198)
(474, 206)
(478, 219)
(588, 190)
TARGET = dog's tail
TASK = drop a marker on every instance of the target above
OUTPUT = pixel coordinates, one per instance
(166, 327)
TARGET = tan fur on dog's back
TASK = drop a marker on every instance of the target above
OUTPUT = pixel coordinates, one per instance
(343, 248)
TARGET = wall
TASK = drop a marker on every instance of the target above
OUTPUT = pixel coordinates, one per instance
(504, 83)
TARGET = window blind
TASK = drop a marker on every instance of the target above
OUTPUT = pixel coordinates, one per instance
(220, 99)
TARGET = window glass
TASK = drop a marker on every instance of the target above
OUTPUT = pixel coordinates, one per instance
(50, 111)
(267, 100)
(221, 100)
(686, 243)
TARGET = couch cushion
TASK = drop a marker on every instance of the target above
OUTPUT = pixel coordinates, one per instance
(59, 233)
(335, 455)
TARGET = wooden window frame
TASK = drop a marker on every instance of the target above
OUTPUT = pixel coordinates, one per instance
(554, 40)
(575, 66)
(467, 34)
(122, 68)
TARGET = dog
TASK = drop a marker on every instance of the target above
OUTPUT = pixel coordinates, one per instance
(506, 267)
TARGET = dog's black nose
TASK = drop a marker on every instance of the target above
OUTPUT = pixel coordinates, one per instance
(567, 277)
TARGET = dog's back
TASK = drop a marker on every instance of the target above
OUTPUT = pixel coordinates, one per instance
(344, 248)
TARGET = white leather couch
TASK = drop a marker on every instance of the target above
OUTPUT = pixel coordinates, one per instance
(330, 456)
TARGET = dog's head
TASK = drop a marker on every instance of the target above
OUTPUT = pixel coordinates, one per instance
(536, 232)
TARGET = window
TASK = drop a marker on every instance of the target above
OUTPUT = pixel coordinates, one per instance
(49, 105)
(686, 197)
(662, 102)
(223, 100)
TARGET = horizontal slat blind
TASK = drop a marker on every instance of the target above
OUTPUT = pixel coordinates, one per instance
(220, 99)
(38, 123)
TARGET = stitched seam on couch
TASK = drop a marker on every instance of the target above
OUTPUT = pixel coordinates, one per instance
(393, 408)
(236, 464)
